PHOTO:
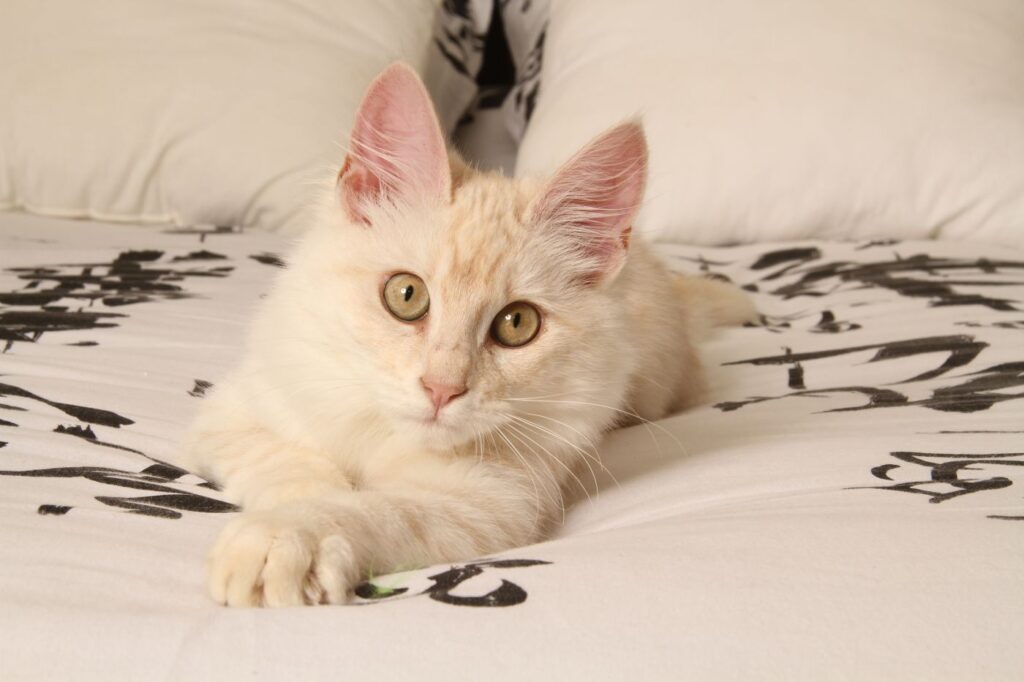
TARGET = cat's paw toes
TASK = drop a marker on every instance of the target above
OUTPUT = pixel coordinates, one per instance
(335, 570)
(260, 560)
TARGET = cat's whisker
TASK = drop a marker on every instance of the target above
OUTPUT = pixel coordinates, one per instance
(629, 413)
(587, 456)
(552, 456)
(529, 472)
(657, 445)
(552, 492)
(545, 431)
(587, 439)
(557, 496)
(652, 381)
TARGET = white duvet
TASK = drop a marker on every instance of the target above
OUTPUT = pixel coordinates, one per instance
(847, 505)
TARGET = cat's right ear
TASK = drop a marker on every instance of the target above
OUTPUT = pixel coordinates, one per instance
(397, 151)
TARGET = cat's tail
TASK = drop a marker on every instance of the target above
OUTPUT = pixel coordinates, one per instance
(714, 303)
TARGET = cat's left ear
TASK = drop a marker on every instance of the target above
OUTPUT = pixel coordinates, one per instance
(592, 200)
(397, 150)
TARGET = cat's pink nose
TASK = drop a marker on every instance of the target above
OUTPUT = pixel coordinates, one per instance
(441, 394)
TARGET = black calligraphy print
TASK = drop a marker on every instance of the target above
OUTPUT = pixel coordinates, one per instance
(828, 324)
(132, 277)
(918, 276)
(979, 391)
(1008, 324)
(89, 415)
(949, 476)
(158, 478)
(789, 259)
(974, 392)
(199, 255)
(959, 349)
(268, 259)
(205, 231)
(200, 388)
(878, 242)
(459, 37)
(444, 584)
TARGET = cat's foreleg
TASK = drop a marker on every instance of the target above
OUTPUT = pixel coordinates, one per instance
(315, 550)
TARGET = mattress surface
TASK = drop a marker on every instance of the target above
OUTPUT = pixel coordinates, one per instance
(846, 505)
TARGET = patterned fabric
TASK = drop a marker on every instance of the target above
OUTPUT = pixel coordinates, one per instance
(526, 23)
(458, 53)
(460, 41)
(847, 499)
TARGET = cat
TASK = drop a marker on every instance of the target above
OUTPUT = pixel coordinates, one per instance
(438, 356)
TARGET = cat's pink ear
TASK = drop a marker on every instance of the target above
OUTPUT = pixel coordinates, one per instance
(397, 151)
(593, 199)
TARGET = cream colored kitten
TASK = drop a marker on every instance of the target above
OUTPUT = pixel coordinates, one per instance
(435, 359)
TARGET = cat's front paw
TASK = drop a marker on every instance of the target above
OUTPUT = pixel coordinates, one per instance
(279, 559)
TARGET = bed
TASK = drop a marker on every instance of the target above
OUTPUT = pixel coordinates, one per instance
(845, 505)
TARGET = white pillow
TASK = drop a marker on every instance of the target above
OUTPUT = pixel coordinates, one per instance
(804, 118)
(192, 112)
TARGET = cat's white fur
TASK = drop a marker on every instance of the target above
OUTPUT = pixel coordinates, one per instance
(325, 435)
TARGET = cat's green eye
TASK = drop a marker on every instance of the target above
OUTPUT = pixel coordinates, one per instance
(516, 325)
(405, 296)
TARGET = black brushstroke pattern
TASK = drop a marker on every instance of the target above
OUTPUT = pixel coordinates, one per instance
(773, 258)
(444, 583)
(790, 259)
(202, 254)
(87, 434)
(796, 376)
(877, 397)
(204, 232)
(949, 475)
(895, 275)
(200, 388)
(132, 277)
(458, 39)
(527, 85)
(878, 242)
(268, 259)
(951, 431)
(770, 323)
(1012, 324)
(168, 504)
(829, 325)
(980, 391)
(90, 415)
(29, 325)
(961, 350)
(882, 471)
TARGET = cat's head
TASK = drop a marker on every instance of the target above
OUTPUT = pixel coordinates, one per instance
(454, 301)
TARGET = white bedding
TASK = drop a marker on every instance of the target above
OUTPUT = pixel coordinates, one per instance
(846, 506)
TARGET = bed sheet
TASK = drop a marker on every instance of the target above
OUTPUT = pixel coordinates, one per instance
(846, 505)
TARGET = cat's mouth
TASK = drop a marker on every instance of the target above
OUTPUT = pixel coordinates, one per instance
(441, 431)
(434, 423)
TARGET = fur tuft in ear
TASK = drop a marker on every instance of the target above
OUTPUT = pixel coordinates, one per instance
(592, 200)
(397, 150)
